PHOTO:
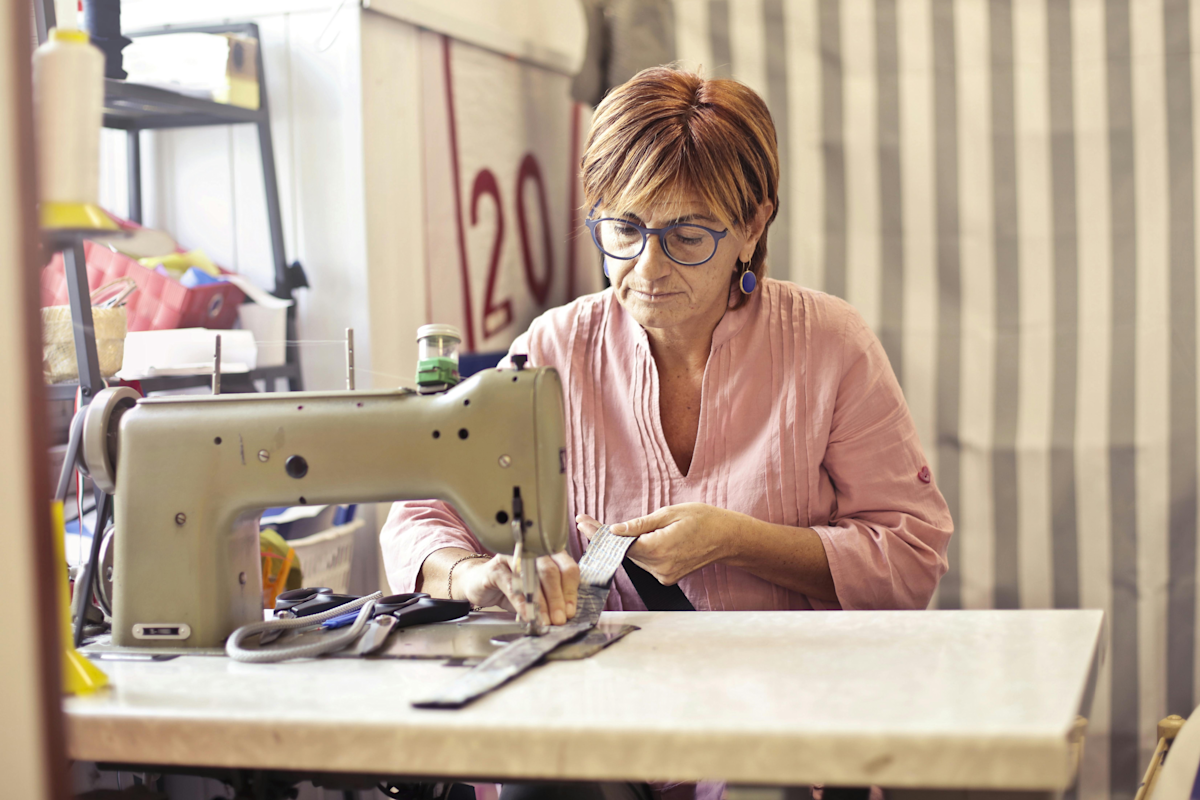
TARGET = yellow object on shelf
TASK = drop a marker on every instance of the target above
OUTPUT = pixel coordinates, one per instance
(241, 73)
(75, 216)
(80, 676)
(179, 263)
(238, 92)
(280, 570)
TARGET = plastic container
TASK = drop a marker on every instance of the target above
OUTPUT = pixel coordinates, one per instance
(325, 558)
(437, 357)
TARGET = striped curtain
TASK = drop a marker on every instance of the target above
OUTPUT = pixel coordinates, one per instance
(1007, 191)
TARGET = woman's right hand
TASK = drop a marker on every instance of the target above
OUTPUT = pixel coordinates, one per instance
(495, 583)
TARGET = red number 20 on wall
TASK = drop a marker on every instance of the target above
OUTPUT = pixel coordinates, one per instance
(498, 315)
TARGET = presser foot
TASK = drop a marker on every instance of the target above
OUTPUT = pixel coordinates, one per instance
(529, 587)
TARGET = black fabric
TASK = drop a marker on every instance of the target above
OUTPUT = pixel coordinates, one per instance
(561, 790)
(551, 791)
(656, 596)
(845, 793)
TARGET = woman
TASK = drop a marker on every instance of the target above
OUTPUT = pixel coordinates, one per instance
(750, 432)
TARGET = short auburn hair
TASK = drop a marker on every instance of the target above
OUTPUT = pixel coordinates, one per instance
(667, 131)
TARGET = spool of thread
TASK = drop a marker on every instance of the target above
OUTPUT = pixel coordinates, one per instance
(68, 98)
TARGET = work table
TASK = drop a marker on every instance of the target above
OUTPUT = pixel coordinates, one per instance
(950, 699)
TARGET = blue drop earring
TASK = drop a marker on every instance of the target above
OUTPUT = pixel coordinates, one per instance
(606, 269)
(747, 281)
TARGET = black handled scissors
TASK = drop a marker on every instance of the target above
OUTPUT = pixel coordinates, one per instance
(384, 605)
(405, 611)
(306, 602)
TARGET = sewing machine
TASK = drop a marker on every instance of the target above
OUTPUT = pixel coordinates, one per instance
(192, 474)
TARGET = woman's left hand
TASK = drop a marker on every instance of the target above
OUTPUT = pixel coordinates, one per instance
(673, 541)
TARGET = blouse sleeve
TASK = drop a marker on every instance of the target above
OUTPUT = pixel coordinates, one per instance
(886, 542)
(417, 528)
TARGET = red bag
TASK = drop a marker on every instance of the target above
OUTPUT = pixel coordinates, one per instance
(159, 303)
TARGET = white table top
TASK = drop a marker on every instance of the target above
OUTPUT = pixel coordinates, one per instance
(949, 699)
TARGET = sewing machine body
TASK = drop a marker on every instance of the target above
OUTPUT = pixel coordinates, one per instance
(194, 473)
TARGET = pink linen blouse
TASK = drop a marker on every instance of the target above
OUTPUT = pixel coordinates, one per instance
(802, 423)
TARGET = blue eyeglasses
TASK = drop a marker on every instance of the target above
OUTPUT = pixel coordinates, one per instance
(685, 243)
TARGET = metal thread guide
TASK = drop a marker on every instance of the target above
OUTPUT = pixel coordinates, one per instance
(216, 376)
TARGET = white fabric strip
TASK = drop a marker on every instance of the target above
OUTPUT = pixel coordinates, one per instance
(1153, 354)
(691, 36)
(978, 301)
(746, 37)
(860, 131)
(1095, 322)
(1036, 259)
(803, 207)
(915, 51)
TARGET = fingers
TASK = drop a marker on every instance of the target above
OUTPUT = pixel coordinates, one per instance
(641, 525)
(505, 587)
(553, 603)
(558, 577)
(569, 571)
(502, 579)
(634, 527)
(514, 590)
(587, 525)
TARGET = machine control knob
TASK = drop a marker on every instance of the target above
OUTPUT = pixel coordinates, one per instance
(519, 360)
(296, 466)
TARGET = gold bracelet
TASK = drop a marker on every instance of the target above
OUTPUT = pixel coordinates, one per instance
(450, 574)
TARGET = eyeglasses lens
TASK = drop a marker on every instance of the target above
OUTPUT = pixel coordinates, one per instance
(686, 244)
(619, 239)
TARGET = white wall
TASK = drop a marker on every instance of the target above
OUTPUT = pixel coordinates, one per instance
(551, 33)
(394, 184)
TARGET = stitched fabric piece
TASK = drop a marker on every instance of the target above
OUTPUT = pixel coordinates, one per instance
(596, 570)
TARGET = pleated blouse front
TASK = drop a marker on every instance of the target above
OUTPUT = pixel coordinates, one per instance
(802, 423)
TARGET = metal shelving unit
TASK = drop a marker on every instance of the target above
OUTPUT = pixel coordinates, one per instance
(134, 108)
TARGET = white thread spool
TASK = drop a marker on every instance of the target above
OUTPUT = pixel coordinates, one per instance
(68, 97)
